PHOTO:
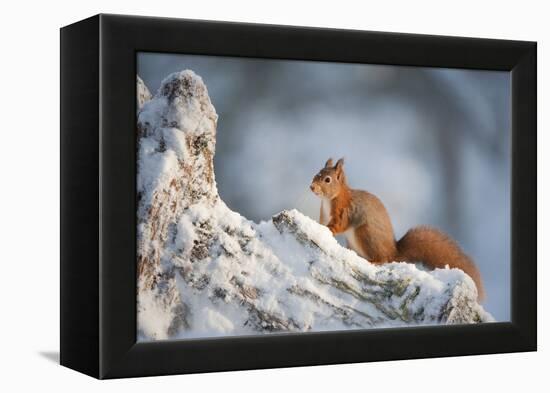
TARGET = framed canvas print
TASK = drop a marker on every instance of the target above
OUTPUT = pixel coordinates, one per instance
(238, 196)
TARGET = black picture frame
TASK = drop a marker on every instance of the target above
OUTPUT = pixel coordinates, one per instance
(98, 196)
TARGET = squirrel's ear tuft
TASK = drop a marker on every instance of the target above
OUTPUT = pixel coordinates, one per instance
(339, 169)
(339, 165)
(328, 163)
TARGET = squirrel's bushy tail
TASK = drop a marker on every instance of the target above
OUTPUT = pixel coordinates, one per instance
(436, 250)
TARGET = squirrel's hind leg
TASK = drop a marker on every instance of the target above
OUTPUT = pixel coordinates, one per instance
(374, 249)
(354, 243)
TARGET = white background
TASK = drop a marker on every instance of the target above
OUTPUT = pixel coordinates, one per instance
(29, 195)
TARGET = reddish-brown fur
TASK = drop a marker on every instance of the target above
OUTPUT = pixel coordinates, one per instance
(436, 249)
(365, 220)
(339, 207)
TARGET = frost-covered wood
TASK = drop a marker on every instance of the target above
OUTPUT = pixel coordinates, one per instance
(142, 93)
(204, 270)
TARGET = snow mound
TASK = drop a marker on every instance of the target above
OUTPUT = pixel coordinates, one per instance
(204, 270)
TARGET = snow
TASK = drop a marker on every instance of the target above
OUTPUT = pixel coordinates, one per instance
(153, 318)
(142, 94)
(207, 271)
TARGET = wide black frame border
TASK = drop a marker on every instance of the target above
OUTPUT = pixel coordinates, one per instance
(98, 205)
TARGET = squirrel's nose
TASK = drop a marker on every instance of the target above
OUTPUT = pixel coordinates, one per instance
(312, 187)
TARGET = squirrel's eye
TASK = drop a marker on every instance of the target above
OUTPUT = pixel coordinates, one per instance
(327, 179)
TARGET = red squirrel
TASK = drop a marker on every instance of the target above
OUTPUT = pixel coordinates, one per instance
(365, 222)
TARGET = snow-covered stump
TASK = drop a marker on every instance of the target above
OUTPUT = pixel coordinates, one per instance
(204, 270)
